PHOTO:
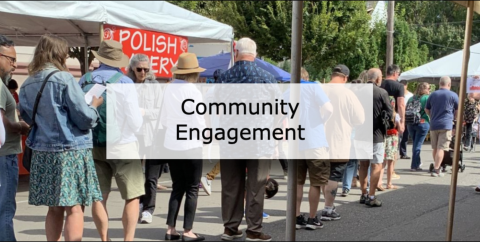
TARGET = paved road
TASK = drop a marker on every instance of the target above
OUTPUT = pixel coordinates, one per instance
(416, 211)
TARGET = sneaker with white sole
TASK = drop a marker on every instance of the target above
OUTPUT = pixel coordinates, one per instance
(146, 218)
(207, 185)
(437, 173)
(314, 223)
(301, 222)
(332, 216)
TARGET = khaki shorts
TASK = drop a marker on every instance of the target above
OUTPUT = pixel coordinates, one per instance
(128, 173)
(317, 165)
(440, 139)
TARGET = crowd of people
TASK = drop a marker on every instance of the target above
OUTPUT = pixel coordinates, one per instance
(70, 170)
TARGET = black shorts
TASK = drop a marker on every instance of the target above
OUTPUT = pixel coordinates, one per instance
(337, 169)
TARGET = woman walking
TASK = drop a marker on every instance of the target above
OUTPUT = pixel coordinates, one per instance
(185, 172)
(62, 174)
(419, 131)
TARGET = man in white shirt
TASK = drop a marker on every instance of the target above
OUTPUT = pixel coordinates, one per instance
(404, 136)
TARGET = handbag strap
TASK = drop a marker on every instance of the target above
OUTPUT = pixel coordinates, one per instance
(39, 95)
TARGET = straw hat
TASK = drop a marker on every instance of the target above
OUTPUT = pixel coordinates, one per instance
(187, 63)
(110, 53)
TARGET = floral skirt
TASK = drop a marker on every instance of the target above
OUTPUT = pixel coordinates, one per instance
(391, 147)
(63, 179)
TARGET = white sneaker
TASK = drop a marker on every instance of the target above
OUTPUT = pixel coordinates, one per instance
(207, 185)
(146, 218)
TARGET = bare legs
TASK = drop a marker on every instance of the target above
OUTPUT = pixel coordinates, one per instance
(129, 218)
(73, 224)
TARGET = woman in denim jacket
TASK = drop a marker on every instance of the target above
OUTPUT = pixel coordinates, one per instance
(62, 174)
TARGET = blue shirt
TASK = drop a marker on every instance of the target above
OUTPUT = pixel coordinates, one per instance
(247, 72)
(442, 105)
(128, 114)
(311, 99)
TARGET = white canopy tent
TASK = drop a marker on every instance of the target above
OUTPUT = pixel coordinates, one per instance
(450, 65)
(80, 22)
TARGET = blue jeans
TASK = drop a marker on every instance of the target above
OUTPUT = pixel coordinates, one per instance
(8, 191)
(418, 132)
(350, 171)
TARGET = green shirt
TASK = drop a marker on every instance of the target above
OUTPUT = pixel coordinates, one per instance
(423, 102)
(13, 141)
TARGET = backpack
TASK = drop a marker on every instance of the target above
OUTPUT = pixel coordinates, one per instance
(100, 138)
(413, 111)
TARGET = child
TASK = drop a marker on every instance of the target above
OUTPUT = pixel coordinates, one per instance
(391, 150)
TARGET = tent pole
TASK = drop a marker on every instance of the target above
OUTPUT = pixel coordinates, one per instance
(296, 63)
(101, 33)
(232, 55)
(458, 130)
(85, 55)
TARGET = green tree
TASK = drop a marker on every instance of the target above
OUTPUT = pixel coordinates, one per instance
(334, 32)
(440, 25)
(78, 53)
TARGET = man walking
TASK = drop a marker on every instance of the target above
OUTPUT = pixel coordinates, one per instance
(128, 173)
(363, 146)
(12, 146)
(404, 135)
(442, 106)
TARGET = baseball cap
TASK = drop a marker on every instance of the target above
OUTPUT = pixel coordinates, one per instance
(217, 73)
(342, 69)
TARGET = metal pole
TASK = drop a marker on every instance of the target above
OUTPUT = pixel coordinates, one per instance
(85, 55)
(232, 53)
(296, 62)
(390, 28)
(101, 33)
(458, 130)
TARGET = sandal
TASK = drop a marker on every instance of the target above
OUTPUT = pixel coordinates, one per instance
(380, 189)
(392, 187)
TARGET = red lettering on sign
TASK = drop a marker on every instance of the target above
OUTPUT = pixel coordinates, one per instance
(162, 49)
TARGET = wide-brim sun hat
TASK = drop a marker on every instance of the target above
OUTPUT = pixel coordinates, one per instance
(110, 53)
(187, 63)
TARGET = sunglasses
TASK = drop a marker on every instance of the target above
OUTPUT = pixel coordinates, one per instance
(143, 69)
(11, 59)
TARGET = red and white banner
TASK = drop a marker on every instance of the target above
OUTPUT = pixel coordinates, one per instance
(473, 84)
(162, 49)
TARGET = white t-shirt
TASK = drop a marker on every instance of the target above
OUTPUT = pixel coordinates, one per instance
(408, 95)
(397, 118)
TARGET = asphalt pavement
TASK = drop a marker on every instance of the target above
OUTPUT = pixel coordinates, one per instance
(416, 211)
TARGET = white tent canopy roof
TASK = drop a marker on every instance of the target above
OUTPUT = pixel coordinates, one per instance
(25, 22)
(450, 65)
